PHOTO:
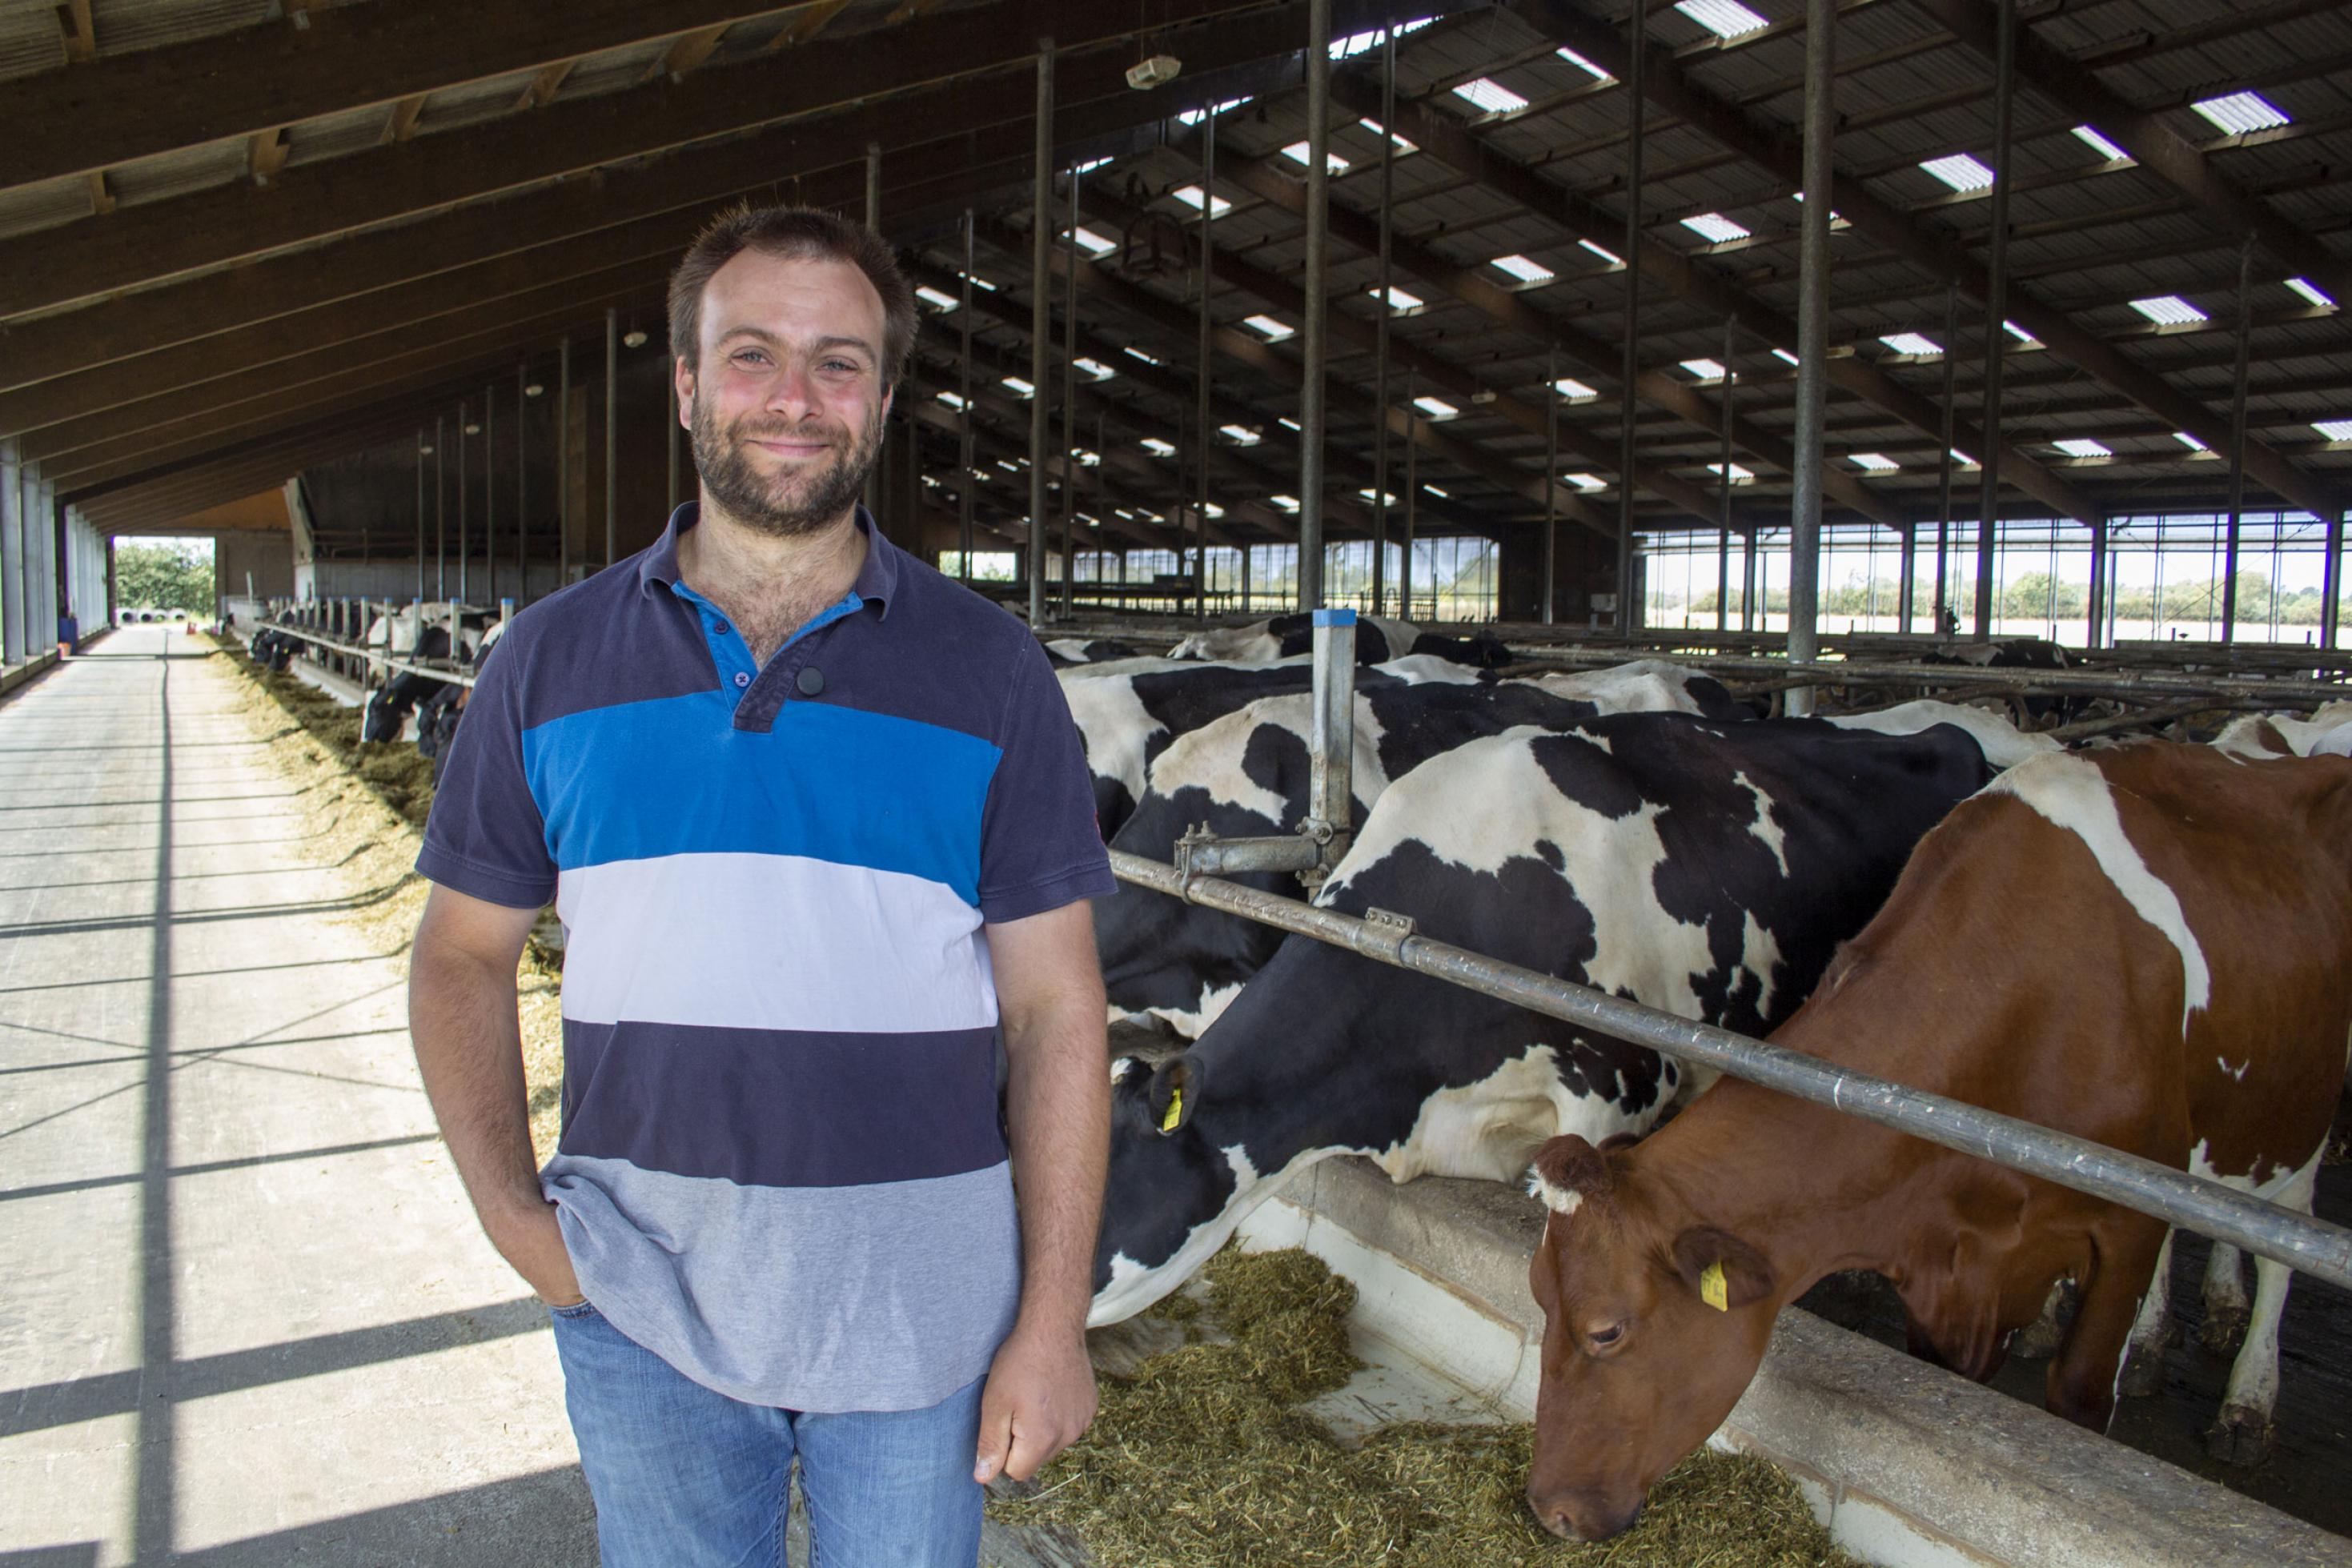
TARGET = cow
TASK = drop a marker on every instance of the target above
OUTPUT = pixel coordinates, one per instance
(1067, 651)
(2209, 903)
(420, 632)
(2256, 737)
(1127, 711)
(2013, 653)
(1245, 775)
(2003, 743)
(1708, 869)
(1378, 641)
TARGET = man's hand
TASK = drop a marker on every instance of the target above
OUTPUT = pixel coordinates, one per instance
(532, 1242)
(1040, 1397)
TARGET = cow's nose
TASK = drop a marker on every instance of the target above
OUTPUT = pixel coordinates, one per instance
(1556, 1515)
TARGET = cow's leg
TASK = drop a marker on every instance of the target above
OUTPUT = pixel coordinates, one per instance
(2243, 1433)
(2144, 1357)
(2225, 1300)
(2083, 1378)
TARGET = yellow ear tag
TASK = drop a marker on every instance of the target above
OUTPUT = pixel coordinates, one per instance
(1176, 1114)
(1713, 1290)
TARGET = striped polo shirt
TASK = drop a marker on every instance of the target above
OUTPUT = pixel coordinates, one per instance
(783, 1168)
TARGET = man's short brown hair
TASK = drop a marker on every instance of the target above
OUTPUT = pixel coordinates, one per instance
(799, 234)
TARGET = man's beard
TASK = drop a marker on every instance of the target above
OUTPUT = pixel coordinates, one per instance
(788, 503)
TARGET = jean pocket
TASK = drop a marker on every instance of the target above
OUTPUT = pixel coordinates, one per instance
(575, 1310)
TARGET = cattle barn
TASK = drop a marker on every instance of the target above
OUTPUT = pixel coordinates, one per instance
(1710, 637)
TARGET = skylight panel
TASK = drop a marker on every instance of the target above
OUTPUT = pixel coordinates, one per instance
(1912, 343)
(980, 282)
(1785, 357)
(1715, 227)
(1266, 327)
(2308, 292)
(2169, 310)
(1190, 196)
(1580, 63)
(1705, 370)
(1573, 389)
(1964, 460)
(931, 295)
(1399, 301)
(1088, 459)
(1375, 497)
(1020, 387)
(1361, 43)
(1194, 116)
(1724, 18)
(1287, 502)
(1402, 144)
(2335, 429)
(1133, 352)
(1525, 270)
(1089, 166)
(1158, 448)
(1876, 462)
(2189, 441)
(2106, 149)
(1240, 435)
(2083, 446)
(1587, 482)
(1095, 368)
(1008, 467)
(2239, 112)
(1738, 476)
(951, 399)
(1215, 511)
(1609, 257)
(1491, 96)
(1440, 495)
(1094, 244)
(1435, 407)
(2021, 335)
(1297, 150)
(1960, 171)
(1287, 423)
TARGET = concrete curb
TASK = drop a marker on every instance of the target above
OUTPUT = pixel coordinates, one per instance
(1905, 1462)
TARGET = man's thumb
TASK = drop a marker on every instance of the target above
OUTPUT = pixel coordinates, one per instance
(995, 1437)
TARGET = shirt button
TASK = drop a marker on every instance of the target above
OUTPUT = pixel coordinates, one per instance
(810, 681)
(719, 628)
(741, 679)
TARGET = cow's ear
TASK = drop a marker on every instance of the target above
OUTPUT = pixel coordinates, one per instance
(1569, 1171)
(1175, 1092)
(1720, 1269)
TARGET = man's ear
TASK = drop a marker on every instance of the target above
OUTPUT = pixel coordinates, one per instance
(681, 376)
(1720, 1269)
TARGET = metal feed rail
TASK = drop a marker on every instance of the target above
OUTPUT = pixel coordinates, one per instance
(455, 676)
(2208, 1207)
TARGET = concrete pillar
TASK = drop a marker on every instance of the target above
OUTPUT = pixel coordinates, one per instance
(12, 549)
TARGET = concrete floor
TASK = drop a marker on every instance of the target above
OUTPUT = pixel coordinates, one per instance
(246, 1316)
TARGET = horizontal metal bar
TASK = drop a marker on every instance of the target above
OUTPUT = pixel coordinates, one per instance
(455, 676)
(1871, 672)
(2300, 1241)
(1229, 857)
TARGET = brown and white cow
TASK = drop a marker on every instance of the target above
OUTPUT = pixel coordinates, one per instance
(2149, 947)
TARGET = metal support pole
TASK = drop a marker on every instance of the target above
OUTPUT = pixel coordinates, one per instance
(1331, 739)
(1551, 484)
(2331, 583)
(420, 512)
(1723, 517)
(465, 532)
(2237, 444)
(1944, 469)
(2099, 574)
(563, 463)
(965, 456)
(1812, 347)
(873, 222)
(1070, 406)
(1637, 54)
(1200, 419)
(2004, 121)
(1381, 326)
(1311, 407)
(612, 430)
(1412, 495)
(490, 497)
(1040, 325)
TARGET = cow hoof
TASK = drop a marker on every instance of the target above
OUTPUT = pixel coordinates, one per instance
(2223, 1329)
(2241, 1437)
(2143, 1373)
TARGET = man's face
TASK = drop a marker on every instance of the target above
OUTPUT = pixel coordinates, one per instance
(787, 405)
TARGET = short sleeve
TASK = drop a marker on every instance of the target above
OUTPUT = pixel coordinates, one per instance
(486, 837)
(1039, 847)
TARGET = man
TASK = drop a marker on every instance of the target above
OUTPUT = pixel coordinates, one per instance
(816, 819)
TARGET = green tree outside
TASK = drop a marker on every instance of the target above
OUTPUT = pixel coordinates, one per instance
(175, 575)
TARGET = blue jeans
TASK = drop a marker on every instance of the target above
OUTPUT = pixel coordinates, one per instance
(685, 1477)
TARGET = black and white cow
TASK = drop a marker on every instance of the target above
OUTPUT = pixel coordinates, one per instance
(419, 631)
(1709, 870)
(1378, 640)
(1246, 775)
(1127, 711)
(1065, 651)
(2013, 653)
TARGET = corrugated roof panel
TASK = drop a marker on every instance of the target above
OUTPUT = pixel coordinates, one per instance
(29, 208)
(335, 135)
(178, 174)
(30, 41)
(123, 26)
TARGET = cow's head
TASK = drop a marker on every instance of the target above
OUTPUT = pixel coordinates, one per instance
(1653, 1326)
(1168, 1204)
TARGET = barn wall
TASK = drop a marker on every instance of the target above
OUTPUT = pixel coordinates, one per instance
(267, 559)
(1586, 565)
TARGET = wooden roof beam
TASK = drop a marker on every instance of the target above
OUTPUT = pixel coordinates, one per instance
(79, 35)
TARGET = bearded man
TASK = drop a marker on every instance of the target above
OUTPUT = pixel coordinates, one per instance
(817, 824)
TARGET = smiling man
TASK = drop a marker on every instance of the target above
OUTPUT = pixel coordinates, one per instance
(820, 831)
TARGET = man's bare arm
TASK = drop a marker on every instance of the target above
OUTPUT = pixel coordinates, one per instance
(462, 1017)
(1041, 1389)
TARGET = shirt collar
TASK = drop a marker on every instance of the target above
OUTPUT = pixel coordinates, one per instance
(878, 578)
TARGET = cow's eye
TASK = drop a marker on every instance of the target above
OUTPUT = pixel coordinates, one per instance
(1606, 1337)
